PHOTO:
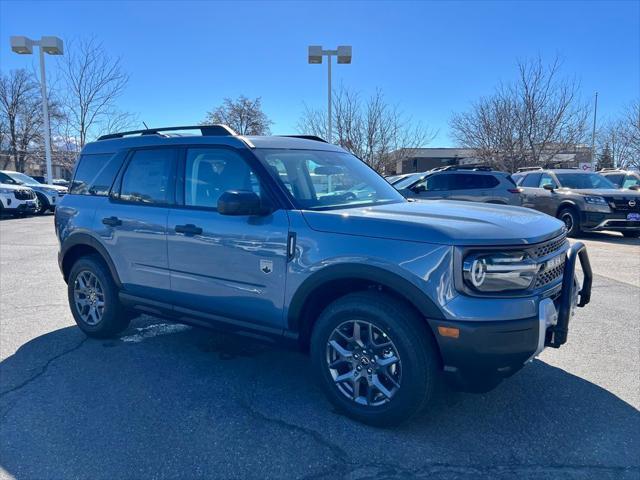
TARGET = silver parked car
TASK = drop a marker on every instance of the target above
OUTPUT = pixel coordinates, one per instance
(476, 184)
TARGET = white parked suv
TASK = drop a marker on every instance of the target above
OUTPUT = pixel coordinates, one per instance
(16, 199)
(47, 196)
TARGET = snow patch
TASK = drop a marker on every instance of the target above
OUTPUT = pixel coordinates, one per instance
(154, 331)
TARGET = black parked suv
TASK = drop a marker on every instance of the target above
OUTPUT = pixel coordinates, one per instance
(584, 201)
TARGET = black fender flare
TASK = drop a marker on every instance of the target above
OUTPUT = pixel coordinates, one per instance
(394, 282)
(567, 204)
(88, 240)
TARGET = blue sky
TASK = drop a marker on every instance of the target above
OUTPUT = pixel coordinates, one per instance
(429, 58)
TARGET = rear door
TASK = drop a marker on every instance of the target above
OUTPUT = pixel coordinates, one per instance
(546, 200)
(133, 223)
(226, 266)
(529, 185)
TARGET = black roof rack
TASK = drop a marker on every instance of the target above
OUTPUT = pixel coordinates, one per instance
(473, 167)
(528, 169)
(205, 131)
(306, 137)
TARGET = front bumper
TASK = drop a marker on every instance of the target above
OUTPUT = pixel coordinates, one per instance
(616, 221)
(485, 352)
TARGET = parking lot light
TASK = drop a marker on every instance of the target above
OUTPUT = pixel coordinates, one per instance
(343, 52)
(53, 46)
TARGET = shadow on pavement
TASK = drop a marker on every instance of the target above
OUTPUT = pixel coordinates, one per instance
(608, 237)
(194, 403)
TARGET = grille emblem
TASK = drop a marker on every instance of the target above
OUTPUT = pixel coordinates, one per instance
(632, 203)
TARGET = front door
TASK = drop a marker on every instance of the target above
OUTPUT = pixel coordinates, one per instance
(433, 187)
(227, 266)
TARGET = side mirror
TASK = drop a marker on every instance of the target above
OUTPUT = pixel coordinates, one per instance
(548, 187)
(419, 189)
(634, 187)
(240, 202)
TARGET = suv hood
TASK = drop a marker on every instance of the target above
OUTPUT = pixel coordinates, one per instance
(10, 186)
(440, 221)
(606, 192)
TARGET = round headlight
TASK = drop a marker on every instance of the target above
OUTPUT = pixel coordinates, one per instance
(499, 271)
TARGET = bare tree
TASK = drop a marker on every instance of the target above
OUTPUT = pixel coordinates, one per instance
(613, 139)
(244, 115)
(21, 115)
(373, 130)
(631, 132)
(526, 122)
(93, 82)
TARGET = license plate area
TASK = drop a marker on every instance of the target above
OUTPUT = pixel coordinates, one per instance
(633, 217)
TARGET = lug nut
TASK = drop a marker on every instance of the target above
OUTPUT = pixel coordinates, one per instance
(369, 371)
(358, 368)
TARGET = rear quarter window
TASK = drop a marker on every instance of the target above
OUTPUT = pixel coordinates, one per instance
(95, 174)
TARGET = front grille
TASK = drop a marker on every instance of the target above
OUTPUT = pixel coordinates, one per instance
(549, 247)
(621, 204)
(24, 194)
(549, 276)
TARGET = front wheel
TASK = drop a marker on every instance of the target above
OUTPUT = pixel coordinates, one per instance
(93, 298)
(375, 358)
(571, 220)
(42, 205)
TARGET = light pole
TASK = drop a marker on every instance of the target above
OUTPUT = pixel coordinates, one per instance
(52, 46)
(343, 52)
(593, 135)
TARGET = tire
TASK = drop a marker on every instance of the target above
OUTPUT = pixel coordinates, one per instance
(631, 234)
(111, 318)
(42, 206)
(571, 220)
(416, 374)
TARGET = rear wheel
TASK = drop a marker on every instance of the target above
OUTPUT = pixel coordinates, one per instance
(571, 220)
(375, 358)
(93, 298)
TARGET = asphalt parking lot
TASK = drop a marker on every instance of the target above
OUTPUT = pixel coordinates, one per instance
(169, 401)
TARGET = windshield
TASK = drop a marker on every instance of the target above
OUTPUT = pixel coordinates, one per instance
(7, 180)
(408, 181)
(583, 180)
(320, 180)
(23, 179)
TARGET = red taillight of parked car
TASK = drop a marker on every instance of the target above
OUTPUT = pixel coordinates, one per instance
(514, 190)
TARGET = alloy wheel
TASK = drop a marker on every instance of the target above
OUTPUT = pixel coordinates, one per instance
(364, 363)
(88, 295)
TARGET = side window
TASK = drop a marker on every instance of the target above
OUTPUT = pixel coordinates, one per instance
(147, 178)
(630, 181)
(547, 180)
(531, 180)
(616, 179)
(437, 182)
(209, 172)
(468, 181)
(95, 174)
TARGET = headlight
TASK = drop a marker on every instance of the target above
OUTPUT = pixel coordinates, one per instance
(595, 200)
(498, 272)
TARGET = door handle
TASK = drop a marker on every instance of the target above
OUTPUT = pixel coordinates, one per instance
(112, 221)
(188, 229)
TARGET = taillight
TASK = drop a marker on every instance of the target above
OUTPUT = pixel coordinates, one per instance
(514, 190)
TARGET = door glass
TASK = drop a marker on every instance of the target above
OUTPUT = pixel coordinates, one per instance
(436, 183)
(547, 180)
(531, 180)
(209, 172)
(146, 179)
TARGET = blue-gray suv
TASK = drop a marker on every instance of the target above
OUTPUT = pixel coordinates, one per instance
(295, 238)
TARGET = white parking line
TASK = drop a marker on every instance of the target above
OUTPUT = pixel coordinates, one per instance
(154, 331)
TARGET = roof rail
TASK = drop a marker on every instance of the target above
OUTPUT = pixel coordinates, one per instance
(528, 169)
(471, 166)
(306, 137)
(611, 170)
(205, 131)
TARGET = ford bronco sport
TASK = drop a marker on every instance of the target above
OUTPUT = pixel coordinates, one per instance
(266, 234)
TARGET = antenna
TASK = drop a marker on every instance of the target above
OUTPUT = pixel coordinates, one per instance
(145, 125)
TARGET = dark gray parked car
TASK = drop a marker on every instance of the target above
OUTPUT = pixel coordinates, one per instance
(622, 178)
(584, 201)
(460, 183)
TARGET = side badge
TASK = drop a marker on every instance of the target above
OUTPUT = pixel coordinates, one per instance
(266, 266)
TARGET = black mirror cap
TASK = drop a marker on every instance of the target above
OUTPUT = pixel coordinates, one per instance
(634, 187)
(240, 202)
(549, 187)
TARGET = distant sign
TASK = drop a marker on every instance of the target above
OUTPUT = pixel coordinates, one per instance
(584, 166)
